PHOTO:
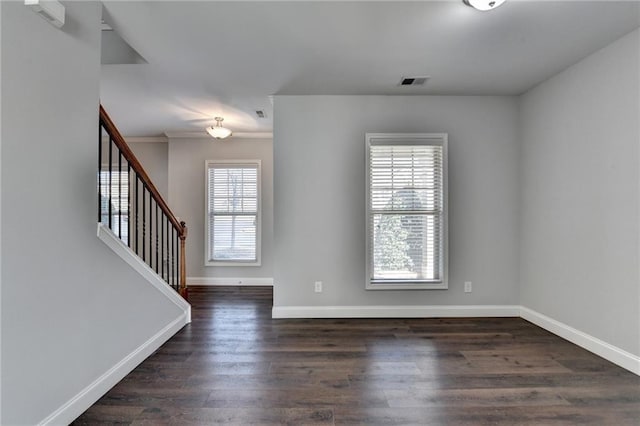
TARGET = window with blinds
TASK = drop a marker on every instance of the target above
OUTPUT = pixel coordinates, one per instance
(406, 211)
(233, 213)
(114, 202)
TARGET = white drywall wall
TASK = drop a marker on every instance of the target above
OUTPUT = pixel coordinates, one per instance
(71, 309)
(154, 157)
(319, 154)
(580, 194)
(187, 196)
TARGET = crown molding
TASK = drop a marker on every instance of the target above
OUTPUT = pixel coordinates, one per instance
(253, 135)
(204, 135)
(146, 139)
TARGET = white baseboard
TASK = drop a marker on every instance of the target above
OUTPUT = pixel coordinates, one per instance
(607, 351)
(219, 281)
(395, 311)
(89, 395)
(599, 347)
(121, 249)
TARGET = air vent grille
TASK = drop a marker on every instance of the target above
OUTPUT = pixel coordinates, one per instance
(414, 81)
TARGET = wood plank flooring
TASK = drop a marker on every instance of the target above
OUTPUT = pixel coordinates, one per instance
(235, 365)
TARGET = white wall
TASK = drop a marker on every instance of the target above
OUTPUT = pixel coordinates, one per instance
(154, 157)
(319, 180)
(187, 197)
(71, 309)
(580, 195)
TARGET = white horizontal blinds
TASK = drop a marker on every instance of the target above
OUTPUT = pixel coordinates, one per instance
(114, 190)
(233, 212)
(406, 211)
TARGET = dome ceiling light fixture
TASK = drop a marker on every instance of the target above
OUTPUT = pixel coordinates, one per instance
(218, 131)
(483, 5)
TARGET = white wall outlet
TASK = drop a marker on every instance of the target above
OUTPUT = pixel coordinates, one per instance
(318, 286)
(468, 286)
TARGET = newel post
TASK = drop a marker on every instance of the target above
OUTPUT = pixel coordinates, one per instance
(184, 291)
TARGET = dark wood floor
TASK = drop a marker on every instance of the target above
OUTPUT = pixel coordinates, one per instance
(235, 365)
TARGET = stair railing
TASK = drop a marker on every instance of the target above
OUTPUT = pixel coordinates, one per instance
(133, 209)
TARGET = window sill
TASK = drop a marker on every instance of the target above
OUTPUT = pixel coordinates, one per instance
(406, 285)
(231, 263)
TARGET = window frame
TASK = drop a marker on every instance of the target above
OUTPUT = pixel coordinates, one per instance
(437, 139)
(208, 255)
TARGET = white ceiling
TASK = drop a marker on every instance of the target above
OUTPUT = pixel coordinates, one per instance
(207, 59)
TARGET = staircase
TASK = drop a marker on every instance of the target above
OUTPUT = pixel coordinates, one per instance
(132, 209)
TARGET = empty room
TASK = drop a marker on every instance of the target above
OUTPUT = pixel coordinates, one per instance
(320, 212)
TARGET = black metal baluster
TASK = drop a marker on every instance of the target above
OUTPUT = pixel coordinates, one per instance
(99, 173)
(128, 204)
(177, 262)
(163, 218)
(137, 215)
(177, 259)
(144, 218)
(173, 260)
(150, 229)
(119, 194)
(110, 178)
(150, 262)
(157, 239)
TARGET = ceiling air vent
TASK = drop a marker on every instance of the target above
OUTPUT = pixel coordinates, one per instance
(260, 113)
(414, 81)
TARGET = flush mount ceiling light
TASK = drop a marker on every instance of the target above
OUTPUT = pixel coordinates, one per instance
(483, 5)
(218, 131)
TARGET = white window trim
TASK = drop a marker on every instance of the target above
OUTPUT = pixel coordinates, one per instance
(431, 138)
(207, 255)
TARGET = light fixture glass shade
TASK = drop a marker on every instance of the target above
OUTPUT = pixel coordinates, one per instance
(218, 131)
(483, 5)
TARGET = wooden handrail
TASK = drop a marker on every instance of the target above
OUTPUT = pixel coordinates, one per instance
(133, 164)
(119, 141)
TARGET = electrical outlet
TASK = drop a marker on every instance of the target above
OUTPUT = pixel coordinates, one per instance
(318, 287)
(468, 287)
